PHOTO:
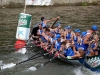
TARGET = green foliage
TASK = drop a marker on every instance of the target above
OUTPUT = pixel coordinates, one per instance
(84, 4)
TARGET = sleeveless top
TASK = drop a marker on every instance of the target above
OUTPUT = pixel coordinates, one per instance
(85, 46)
(43, 25)
(57, 31)
(68, 36)
(57, 45)
(75, 39)
(68, 52)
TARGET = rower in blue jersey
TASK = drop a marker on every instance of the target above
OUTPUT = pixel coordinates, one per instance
(58, 29)
(68, 33)
(45, 38)
(57, 43)
(86, 41)
(82, 48)
(46, 35)
(44, 21)
(53, 37)
(77, 38)
(94, 46)
(40, 33)
(68, 52)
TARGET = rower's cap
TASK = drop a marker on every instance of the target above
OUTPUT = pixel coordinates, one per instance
(69, 27)
(58, 36)
(83, 34)
(77, 30)
(58, 24)
(65, 28)
(94, 27)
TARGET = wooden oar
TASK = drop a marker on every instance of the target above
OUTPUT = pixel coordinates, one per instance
(54, 23)
(50, 60)
(32, 57)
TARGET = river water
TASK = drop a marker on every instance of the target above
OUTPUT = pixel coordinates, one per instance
(82, 17)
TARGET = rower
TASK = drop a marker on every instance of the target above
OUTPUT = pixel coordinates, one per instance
(77, 38)
(80, 47)
(57, 43)
(45, 38)
(68, 33)
(58, 29)
(68, 50)
(94, 46)
(44, 21)
(86, 42)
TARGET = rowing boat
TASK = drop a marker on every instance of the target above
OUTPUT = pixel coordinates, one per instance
(92, 63)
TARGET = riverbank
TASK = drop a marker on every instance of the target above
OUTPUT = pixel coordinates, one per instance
(21, 3)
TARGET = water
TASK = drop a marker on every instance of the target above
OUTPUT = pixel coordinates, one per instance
(76, 16)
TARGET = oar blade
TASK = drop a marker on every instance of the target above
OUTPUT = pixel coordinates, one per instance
(5, 66)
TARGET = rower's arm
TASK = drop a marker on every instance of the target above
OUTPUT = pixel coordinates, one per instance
(53, 19)
(44, 36)
(74, 49)
(86, 39)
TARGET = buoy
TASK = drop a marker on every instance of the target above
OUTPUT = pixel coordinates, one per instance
(20, 44)
(23, 28)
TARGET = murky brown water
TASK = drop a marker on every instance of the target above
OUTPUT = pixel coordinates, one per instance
(76, 16)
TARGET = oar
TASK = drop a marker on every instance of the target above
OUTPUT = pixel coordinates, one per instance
(31, 58)
(50, 60)
(54, 23)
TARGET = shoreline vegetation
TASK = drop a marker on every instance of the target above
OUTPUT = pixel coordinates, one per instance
(16, 5)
